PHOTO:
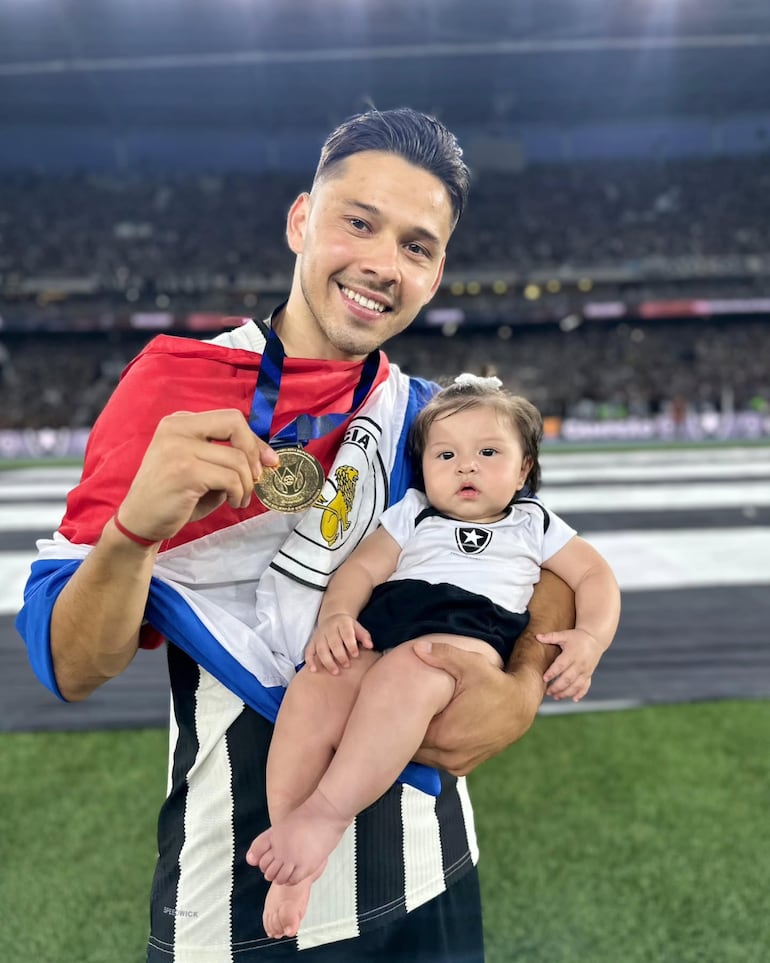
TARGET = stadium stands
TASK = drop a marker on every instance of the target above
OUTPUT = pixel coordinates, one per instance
(596, 289)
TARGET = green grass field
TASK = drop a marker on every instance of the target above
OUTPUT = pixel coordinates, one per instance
(631, 837)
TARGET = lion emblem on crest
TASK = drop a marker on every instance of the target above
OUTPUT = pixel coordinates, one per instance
(334, 520)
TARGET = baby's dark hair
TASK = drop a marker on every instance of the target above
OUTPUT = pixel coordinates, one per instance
(522, 415)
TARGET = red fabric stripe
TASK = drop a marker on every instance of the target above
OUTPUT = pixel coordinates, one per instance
(177, 374)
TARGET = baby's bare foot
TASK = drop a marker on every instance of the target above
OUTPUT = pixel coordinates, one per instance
(297, 846)
(285, 906)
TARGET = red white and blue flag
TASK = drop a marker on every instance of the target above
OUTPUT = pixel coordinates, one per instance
(238, 590)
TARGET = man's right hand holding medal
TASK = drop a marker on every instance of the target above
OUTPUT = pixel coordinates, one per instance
(194, 463)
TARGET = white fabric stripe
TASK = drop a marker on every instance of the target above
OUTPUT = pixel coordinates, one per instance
(173, 739)
(333, 896)
(470, 826)
(423, 862)
(202, 913)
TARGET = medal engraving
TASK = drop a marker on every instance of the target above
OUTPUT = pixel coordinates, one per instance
(294, 485)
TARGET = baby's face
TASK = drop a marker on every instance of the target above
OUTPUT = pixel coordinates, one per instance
(473, 464)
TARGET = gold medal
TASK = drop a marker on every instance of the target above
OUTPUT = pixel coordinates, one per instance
(294, 485)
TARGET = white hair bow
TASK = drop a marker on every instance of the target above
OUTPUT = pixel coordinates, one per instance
(466, 378)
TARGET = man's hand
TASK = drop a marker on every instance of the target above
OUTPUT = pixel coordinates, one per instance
(194, 463)
(490, 709)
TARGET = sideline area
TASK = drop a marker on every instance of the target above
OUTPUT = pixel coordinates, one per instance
(687, 532)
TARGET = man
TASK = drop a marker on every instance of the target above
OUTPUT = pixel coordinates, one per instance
(164, 538)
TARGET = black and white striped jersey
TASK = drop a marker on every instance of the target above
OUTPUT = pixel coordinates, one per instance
(207, 901)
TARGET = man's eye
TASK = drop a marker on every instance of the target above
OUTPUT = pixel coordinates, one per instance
(418, 249)
(488, 452)
(357, 223)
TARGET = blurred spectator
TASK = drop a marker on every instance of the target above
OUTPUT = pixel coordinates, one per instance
(142, 236)
(597, 370)
(79, 253)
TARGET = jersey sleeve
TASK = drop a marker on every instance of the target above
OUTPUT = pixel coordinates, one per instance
(556, 536)
(399, 520)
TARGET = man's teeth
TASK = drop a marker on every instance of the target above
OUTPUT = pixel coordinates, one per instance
(364, 302)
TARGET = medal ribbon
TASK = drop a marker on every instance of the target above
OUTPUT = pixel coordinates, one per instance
(303, 428)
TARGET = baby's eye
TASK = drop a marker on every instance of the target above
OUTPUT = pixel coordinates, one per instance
(446, 455)
(488, 452)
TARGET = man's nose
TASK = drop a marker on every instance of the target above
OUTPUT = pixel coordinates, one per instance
(381, 258)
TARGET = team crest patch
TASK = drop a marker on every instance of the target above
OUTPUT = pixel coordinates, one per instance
(334, 520)
(472, 541)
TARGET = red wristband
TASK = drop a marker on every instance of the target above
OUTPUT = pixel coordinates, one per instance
(136, 539)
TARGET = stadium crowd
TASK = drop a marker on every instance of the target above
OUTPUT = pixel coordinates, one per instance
(595, 371)
(77, 249)
(139, 235)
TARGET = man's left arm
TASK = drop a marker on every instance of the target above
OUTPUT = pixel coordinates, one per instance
(493, 709)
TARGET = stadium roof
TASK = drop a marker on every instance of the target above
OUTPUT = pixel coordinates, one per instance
(287, 64)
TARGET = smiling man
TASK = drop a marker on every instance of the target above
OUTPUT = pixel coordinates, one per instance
(370, 241)
(165, 540)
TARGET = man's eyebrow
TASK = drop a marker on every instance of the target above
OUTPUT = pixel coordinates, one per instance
(420, 232)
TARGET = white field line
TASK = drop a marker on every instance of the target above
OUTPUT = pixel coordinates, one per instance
(30, 518)
(616, 498)
(642, 561)
(46, 516)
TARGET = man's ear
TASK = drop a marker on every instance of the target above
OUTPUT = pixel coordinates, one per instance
(296, 223)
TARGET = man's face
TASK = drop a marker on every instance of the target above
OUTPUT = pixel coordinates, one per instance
(370, 243)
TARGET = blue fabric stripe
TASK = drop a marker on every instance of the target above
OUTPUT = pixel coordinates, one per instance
(170, 614)
(167, 611)
(420, 393)
(33, 623)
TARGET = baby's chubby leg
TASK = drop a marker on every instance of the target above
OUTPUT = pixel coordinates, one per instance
(308, 729)
(309, 726)
(397, 699)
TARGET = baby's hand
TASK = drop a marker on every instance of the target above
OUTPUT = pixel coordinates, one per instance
(336, 639)
(569, 677)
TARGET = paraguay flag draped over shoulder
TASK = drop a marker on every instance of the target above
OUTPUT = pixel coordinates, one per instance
(238, 590)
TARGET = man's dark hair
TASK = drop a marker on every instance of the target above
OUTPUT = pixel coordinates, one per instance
(416, 137)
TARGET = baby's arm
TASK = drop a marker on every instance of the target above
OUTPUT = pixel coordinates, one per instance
(597, 605)
(338, 633)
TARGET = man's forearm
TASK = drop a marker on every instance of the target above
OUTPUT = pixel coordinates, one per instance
(552, 607)
(96, 619)
(493, 709)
